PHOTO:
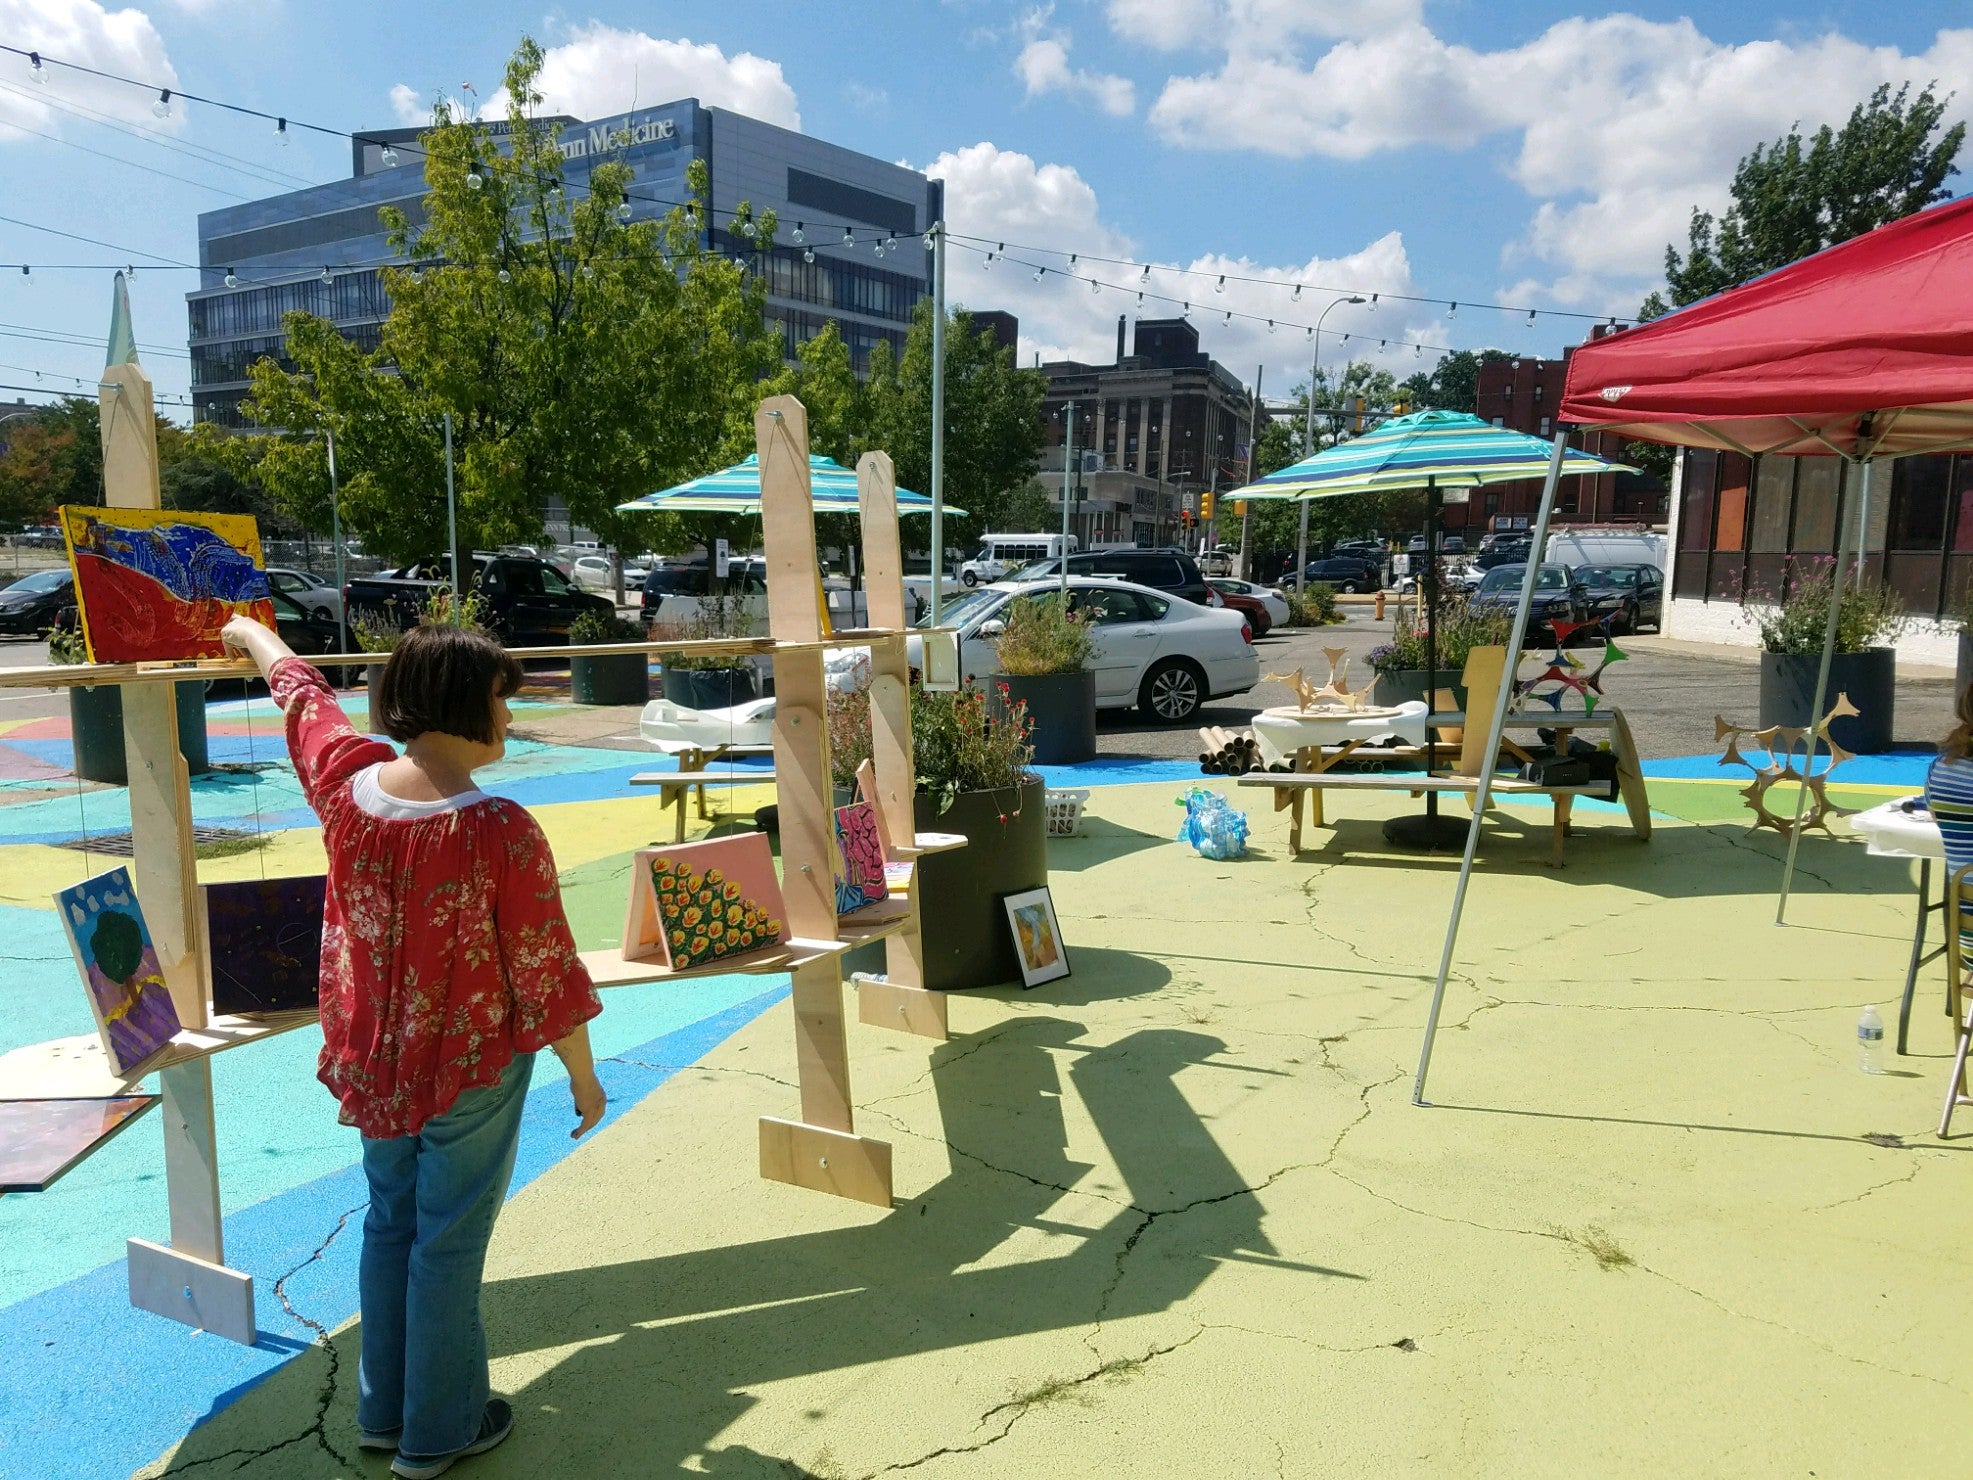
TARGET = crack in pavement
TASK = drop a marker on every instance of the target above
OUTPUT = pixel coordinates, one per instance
(325, 1395)
(706, 1068)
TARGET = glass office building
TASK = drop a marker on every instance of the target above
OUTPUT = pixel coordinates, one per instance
(318, 249)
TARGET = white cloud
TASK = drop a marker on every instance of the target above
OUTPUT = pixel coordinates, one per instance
(600, 70)
(1043, 67)
(867, 99)
(410, 106)
(1002, 196)
(82, 31)
(1623, 124)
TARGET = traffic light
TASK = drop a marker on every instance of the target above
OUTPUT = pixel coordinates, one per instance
(1401, 406)
(1205, 506)
(1356, 413)
(1185, 518)
(1239, 508)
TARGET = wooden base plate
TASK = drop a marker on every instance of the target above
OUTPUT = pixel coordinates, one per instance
(883, 1004)
(195, 1292)
(836, 1162)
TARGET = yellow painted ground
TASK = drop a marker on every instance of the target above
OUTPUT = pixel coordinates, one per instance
(1177, 1215)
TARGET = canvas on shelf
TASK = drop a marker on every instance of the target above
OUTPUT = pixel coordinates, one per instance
(700, 902)
(263, 944)
(42, 1139)
(125, 984)
(1037, 936)
(863, 880)
(156, 585)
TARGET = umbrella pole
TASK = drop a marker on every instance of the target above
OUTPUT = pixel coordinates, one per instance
(1816, 710)
(1495, 725)
(938, 421)
(1429, 831)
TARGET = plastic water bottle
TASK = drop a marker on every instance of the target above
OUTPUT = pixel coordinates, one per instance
(1870, 1041)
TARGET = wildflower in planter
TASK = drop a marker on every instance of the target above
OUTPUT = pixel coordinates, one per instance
(1793, 616)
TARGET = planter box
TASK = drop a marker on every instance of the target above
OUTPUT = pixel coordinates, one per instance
(613, 678)
(1063, 708)
(709, 688)
(96, 729)
(1869, 678)
(966, 940)
(1407, 684)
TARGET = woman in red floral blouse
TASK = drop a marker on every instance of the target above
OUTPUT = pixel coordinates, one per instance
(446, 964)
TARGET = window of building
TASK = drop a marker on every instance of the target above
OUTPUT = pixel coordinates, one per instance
(1918, 502)
(1774, 492)
(1544, 426)
(1500, 421)
(1816, 482)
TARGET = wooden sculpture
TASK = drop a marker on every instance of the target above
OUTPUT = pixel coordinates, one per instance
(1334, 694)
(1782, 745)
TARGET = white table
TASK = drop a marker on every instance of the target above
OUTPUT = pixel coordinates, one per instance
(1889, 831)
(1282, 734)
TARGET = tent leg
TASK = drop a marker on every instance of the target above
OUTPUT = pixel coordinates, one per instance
(1816, 709)
(1496, 724)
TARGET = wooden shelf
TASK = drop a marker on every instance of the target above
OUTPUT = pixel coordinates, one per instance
(609, 967)
(874, 922)
(78, 1069)
(931, 842)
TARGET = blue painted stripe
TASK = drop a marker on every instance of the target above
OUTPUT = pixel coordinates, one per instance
(91, 1388)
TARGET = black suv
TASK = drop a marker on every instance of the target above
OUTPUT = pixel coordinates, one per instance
(1347, 573)
(1162, 570)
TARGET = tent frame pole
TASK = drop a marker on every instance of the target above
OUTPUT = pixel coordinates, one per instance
(938, 421)
(1495, 726)
(1817, 709)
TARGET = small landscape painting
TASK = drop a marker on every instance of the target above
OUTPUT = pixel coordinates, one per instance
(156, 585)
(701, 902)
(41, 1139)
(264, 944)
(119, 965)
(1037, 936)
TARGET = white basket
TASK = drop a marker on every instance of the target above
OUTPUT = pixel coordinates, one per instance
(1065, 811)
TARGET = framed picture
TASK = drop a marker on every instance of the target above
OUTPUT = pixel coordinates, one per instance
(1037, 936)
(699, 902)
(158, 584)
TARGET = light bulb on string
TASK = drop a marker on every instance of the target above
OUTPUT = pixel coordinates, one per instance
(1452, 310)
(747, 227)
(1185, 307)
(849, 237)
(987, 266)
(1296, 296)
(1531, 318)
(474, 179)
(1220, 286)
(328, 276)
(129, 273)
(1094, 286)
(1040, 273)
(417, 274)
(24, 271)
(890, 242)
(1373, 302)
(34, 68)
(281, 132)
(1072, 259)
(1145, 276)
(1140, 300)
(1270, 329)
(798, 238)
(1417, 351)
(623, 210)
(808, 254)
(931, 241)
(162, 107)
(1229, 316)
(504, 276)
(588, 270)
(388, 157)
(232, 278)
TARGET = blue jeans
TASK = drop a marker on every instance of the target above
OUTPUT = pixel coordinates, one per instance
(433, 1199)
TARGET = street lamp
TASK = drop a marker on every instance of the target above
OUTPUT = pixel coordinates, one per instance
(1308, 435)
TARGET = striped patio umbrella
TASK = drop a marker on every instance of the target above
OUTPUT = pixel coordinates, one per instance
(736, 490)
(1447, 449)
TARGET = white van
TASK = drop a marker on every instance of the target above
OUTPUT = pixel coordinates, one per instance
(1606, 545)
(1000, 555)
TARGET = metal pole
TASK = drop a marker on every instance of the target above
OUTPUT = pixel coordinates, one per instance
(1308, 450)
(938, 419)
(336, 536)
(1816, 709)
(1247, 509)
(451, 511)
(1068, 457)
(1497, 723)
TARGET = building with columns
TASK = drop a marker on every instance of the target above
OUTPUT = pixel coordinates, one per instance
(1164, 423)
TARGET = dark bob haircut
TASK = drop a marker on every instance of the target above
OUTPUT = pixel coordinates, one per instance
(443, 678)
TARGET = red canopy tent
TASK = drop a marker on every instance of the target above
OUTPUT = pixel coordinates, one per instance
(1864, 350)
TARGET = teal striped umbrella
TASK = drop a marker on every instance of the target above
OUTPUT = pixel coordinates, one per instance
(736, 490)
(1449, 449)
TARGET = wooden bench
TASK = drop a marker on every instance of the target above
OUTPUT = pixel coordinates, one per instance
(677, 787)
(1418, 783)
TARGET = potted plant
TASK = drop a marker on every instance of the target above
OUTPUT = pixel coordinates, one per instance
(96, 718)
(701, 682)
(971, 758)
(374, 632)
(608, 678)
(1794, 624)
(1044, 649)
(1400, 663)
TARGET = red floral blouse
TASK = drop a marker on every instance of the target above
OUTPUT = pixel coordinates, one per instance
(445, 951)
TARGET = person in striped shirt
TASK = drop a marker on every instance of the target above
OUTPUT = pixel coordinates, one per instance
(1949, 798)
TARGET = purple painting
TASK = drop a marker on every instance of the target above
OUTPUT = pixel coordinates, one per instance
(119, 966)
(264, 944)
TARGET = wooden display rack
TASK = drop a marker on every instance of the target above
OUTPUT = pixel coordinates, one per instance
(188, 1281)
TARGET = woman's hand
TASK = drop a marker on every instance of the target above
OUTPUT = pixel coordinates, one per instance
(590, 1102)
(238, 633)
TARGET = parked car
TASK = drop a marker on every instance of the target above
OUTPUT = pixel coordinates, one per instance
(30, 607)
(593, 573)
(1557, 597)
(1250, 607)
(1171, 571)
(530, 603)
(1631, 596)
(1346, 573)
(1516, 551)
(1165, 656)
(309, 592)
(41, 537)
(1271, 600)
(1453, 544)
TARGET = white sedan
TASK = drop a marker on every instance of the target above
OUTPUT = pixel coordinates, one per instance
(1163, 655)
(309, 592)
(593, 573)
(1267, 596)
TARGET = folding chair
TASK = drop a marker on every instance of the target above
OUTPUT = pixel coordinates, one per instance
(1958, 894)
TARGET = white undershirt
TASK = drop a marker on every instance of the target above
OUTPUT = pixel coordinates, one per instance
(369, 795)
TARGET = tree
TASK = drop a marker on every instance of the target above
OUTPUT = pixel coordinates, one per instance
(580, 357)
(993, 423)
(1792, 198)
(1453, 384)
(55, 457)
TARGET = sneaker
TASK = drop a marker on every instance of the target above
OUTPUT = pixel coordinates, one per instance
(495, 1426)
(378, 1438)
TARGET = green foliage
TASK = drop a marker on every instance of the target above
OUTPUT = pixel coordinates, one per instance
(1453, 384)
(1461, 628)
(1315, 607)
(957, 745)
(1042, 635)
(580, 357)
(66, 645)
(717, 617)
(594, 627)
(55, 457)
(848, 719)
(1030, 511)
(1796, 619)
(1795, 196)
(117, 945)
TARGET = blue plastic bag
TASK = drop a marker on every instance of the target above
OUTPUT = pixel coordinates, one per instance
(1211, 825)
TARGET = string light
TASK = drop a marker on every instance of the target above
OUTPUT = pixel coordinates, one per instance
(987, 266)
(1220, 286)
(1140, 300)
(1094, 286)
(388, 157)
(232, 278)
(1270, 329)
(1145, 276)
(849, 237)
(623, 210)
(504, 276)
(327, 276)
(1311, 336)
(1452, 310)
(1373, 302)
(1072, 259)
(1531, 318)
(808, 254)
(417, 273)
(747, 227)
(1296, 296)
(281, 132)
(1229, 316)
(34, 68)
(474, 179)
(931, 241)
(1040, 273)
(162, 107)
(588, 270)
(798, 238)
(890, 243)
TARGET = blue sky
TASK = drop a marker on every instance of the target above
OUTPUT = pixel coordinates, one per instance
(1535, 154)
